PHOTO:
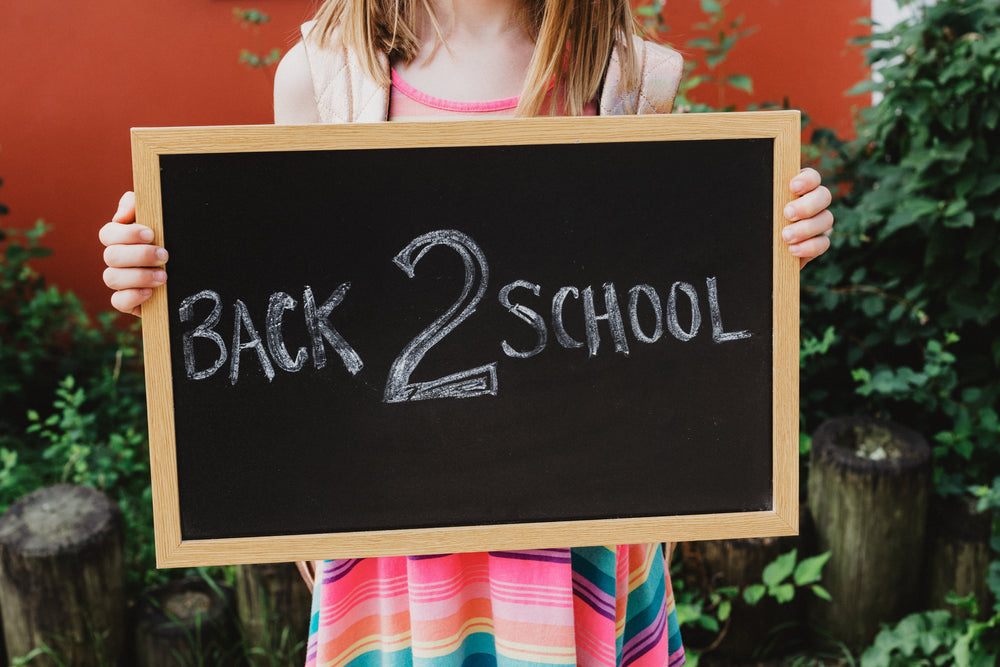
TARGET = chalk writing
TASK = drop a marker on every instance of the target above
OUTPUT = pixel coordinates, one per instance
(464, 384)
(319, 327)
(479, 381)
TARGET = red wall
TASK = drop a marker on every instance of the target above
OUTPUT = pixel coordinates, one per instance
(799, 51)
(76, 76)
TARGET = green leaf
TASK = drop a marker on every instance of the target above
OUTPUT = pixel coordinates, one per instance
(725, 607)
(965, 219)
(865, 87)
(713, 60)
(708, 623)
(993, 580)
(741, 82)
(687, 613)
(873, 306)
(711, 7)
(753, 594)
(783, 593)
(988, 183)
(954, 208)
(780, 568)
(991, 117)
(810, 570)
(820, 592)
(701, 43)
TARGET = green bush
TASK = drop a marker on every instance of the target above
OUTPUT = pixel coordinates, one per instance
(47, 335)
(907, 305)
(899, 320)
(72, 399)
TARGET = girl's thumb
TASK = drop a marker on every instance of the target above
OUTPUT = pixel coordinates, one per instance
(126, 208)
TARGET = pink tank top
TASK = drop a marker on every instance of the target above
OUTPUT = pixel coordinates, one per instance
(406, 103)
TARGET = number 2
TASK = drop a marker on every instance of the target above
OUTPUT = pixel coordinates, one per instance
(478, 381)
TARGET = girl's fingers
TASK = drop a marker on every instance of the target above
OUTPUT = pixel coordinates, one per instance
(808, 204)
(797, 232)
(126, 209)
(127, 247)
(805, 181)
(127, 279)
(810, 248)
(128, 256)
(130, 301)
(115, 233)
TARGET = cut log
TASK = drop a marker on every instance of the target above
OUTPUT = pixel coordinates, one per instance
(62, 577)
(187, 622)
(274, 605)
(958, 555)
(869, 484)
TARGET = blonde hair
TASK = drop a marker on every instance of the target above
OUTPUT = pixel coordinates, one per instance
(574, 40)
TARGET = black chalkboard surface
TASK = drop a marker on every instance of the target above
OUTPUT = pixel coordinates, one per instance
(469, 336)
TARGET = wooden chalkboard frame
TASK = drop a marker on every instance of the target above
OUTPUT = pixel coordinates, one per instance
(148, 144)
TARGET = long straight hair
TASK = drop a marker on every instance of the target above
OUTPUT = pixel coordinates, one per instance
(574, 40)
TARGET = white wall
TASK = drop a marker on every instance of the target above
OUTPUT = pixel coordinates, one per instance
(887, 13)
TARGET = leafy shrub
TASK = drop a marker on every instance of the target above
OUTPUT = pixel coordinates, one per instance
(72, 400)
(707, 608)
(46, 334)
(910, 296)
(934, 638)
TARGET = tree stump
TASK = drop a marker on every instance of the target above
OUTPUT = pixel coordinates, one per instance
(274, 608)
(869, 484)
(958, 555)
(187, 622)
(62, 577)
(741, 563)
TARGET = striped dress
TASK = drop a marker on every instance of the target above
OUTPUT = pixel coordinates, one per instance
(590, 606)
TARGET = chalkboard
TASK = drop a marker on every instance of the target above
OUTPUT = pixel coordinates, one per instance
(437, 337)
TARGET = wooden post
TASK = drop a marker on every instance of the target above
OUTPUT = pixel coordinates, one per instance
(187, 622)
(869, 484)
(62, 578)
(958, 555)
(274, 607)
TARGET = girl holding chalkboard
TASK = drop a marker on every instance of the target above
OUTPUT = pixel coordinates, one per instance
(374, 60)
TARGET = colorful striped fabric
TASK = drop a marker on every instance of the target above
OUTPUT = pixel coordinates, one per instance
(590, 606)
(582, 606)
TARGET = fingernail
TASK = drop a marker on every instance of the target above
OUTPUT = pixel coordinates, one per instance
(161, 255)
(790, 212)
(146, 235)
(797, 184)
(159, 277)
(786, 234)
(145, 291)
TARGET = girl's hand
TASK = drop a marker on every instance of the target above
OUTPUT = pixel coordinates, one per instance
(808, 235)
(135, 266)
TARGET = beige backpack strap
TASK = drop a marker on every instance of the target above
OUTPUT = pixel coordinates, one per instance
(660, 72)
(308, 570)
(344, 93)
